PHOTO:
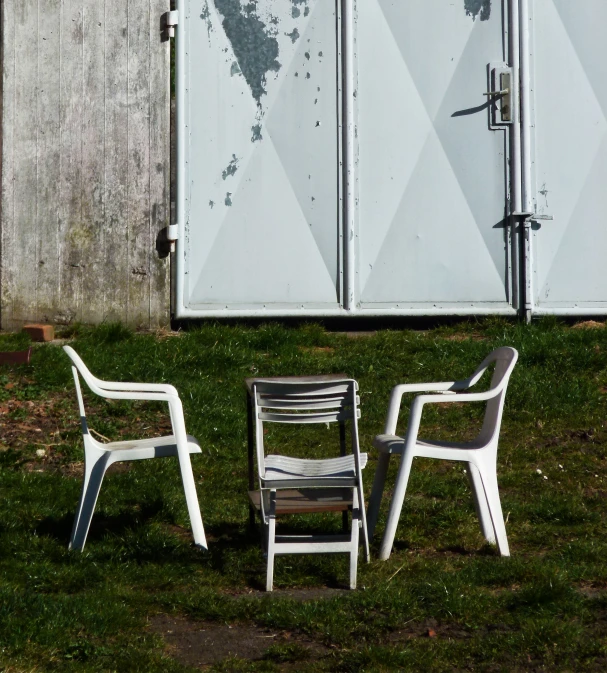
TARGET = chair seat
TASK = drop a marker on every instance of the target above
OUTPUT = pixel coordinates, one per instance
(141, 449)
(325, 472)
(393, 444)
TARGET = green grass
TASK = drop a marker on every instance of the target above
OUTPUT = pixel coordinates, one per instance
(545, 608)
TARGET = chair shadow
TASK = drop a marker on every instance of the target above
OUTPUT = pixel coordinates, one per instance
(60, 529)
(485, 550)
(225, 540)
(459, 550)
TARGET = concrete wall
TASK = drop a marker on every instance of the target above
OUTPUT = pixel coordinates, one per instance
(85, 162)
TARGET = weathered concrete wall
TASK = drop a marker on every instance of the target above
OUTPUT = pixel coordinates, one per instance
(85, 161)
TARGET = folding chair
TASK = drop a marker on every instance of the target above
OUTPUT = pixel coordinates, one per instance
(99, 456)
(480, 454)
(300, 485)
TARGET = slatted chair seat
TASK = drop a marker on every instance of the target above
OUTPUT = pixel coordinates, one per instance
(326, 472)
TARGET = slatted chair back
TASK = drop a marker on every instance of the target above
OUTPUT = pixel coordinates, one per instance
(305, 403)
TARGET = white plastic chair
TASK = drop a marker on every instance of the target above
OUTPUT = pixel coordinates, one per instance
(299, 485)
(480, 454)
(99, 456)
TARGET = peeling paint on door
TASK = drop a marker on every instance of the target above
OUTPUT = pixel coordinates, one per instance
(475, 7)
(294, 35)
(254, 44)
(231, 168)
(205, 15)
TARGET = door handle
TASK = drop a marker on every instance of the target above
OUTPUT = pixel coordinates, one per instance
(501, 81)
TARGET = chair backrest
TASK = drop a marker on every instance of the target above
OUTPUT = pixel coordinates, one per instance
(79, 367)
(304, 403)
(504, 358)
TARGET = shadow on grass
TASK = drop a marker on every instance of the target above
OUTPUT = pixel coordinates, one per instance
(230, 542)
(60, 529)
(457, 550)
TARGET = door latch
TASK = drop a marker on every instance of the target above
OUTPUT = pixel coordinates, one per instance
(528, 218)
(500, 94)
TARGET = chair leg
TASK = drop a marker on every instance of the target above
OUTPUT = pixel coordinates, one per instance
(271, 546)
(480, 503)
(191, 498)
(95, 465)
(356, 521)
(189, 486)
(489, 478)
(396, 505)
(376, 493)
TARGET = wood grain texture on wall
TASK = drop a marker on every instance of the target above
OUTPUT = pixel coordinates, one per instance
(85, 162)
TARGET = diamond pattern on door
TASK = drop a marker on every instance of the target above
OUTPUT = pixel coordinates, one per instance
(391, 145)
(262, 193)
(570, 67)
(268, 212)
(431, 221)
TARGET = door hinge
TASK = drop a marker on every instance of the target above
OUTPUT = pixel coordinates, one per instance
(173, 232)
(171, 20)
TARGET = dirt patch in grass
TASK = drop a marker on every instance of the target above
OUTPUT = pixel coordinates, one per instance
(428, 629)
(317, 350)
(201, 644)
(26, 422)
(588, 324)
(42, 433)
(471, 336)
(302, 595)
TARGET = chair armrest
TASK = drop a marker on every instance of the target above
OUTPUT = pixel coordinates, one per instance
(446, 387)
(148, 396)
(137, 387)
(458, 397)
(112, 390)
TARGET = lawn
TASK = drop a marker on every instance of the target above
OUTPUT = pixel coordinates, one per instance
(141, 597)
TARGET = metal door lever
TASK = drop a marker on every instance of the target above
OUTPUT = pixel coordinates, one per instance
(500, 97)
(532, 217)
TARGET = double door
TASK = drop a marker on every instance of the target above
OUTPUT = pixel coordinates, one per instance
(347, 157)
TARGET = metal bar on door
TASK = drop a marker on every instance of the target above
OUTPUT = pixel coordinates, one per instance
(349, 140)
(571, 311)
(527, 200)
(332, 313)
(515, 175)
(181, 132)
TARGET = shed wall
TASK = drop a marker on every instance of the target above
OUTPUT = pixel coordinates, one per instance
(85, 162)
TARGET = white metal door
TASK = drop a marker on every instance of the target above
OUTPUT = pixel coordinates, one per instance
(568, 155)
(433, 225)
(258, 157)
(285, 210)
